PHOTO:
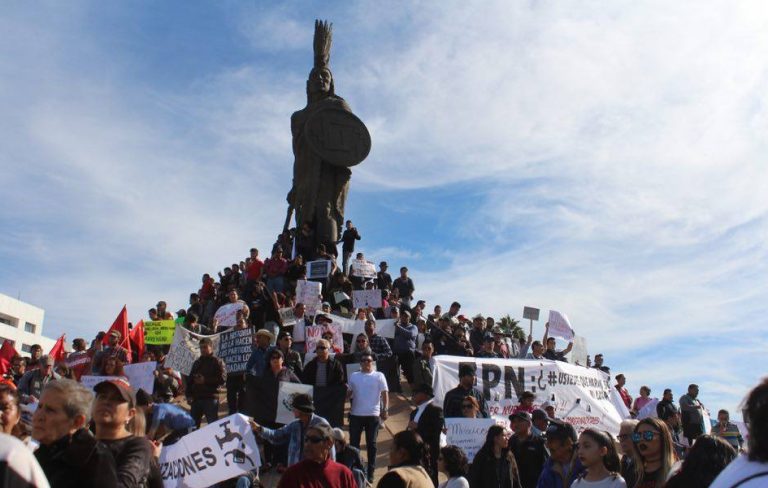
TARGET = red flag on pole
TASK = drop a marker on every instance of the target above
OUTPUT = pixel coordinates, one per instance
(121, 325)
(57, 352)
(7, 353)
(137, 338)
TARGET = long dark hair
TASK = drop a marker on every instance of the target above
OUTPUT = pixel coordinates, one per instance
(455, 461)
(414, 446)
(756, 410)
(604, 439)
(493, 431)
(708, 456)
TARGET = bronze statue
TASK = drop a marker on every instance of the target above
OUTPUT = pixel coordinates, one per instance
(327, 140)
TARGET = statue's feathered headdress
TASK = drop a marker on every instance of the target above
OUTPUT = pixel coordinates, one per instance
(322, 43)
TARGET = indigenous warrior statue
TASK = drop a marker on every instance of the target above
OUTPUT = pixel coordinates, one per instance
(327, 140)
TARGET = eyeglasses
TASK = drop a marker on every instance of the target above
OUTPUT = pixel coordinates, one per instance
(648, 435)
(313, 439)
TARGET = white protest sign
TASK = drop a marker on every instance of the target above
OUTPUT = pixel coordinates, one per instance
(468, 434)
(584, 392)
(89, 381)
(648, 410)
(285, 394)
(226, 315)
(287, 316)
(578, 354)
(308, 293)
(141, 375)
(366, 298)
(362, 269)
(185, 350)
(217, 452)
(318, 269)
(339, 296)
(385, 327)
(559, 326)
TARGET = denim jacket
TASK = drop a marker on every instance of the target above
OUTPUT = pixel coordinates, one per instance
(293, 435)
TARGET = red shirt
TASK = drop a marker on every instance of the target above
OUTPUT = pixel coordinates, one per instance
(275, 267)
(309, 474)
(253, 271)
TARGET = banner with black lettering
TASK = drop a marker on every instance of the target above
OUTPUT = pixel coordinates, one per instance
(235, 349)
(582, 396)
(217, 452)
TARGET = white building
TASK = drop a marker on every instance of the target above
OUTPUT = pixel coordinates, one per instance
(22, 324)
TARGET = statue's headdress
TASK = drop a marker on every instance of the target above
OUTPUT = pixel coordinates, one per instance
(322, 43)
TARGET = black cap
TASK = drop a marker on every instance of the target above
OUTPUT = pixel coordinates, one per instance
(521, 415)
(539, 414)
(467, 370)
(560, 431)
(143, 398)
(303, 403)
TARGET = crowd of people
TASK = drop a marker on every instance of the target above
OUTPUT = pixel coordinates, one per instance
(112, 435)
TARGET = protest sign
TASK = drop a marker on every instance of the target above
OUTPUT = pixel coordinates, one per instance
(559, 326)
(217, 452)
(468, 434)
(366, 298)
(648, 410)
(287, 316)
(502, 381)
(226, 315)
(314, 333)
(578, 354)
(308, 293)
(159, 332)
(139, 375)
(385, 327)
(284, 413)
(362, 269)
(185, 350)
(530, 313)
(318, 269)
(340, 296)
(235, 349)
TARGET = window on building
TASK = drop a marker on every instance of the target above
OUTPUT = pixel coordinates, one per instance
(29, 327)
(26, 348)
(5, 320)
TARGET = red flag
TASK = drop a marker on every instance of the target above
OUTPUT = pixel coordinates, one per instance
(121, 325)
(7, 353)
(137, 338)
(57, 352)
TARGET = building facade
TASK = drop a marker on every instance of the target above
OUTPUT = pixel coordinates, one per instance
(22, 324)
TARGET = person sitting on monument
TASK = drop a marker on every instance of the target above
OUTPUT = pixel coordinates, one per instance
(274, 269)
(454, 399)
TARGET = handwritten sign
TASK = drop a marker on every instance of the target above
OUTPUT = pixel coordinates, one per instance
(185, 349)
(366, 298)
(468, 434)
(284, 413)
(139, 375)
(287, 316)
(226, 315)
(385, 327)
(308, 293)
(159, 332)
(315, 332)
(235, 349)
(362, 269)
(530, 313)
(559, 326)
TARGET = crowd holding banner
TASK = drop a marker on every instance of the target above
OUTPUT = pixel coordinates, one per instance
(286, 340)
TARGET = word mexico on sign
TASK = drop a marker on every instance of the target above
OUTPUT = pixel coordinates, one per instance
(217, 452)
(581, 395)
(468, 434)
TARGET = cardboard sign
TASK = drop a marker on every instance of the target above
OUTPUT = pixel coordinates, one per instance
(159, 332)
(139, 375)
(530, 313)
(285, 394)
(287, 316)
(468, 434)
(559, 326)
(185, 350)
(226, 315)
(319, 269)
(308, 293)
(314, 333)
(578, 354)
(362, 269)
(366, 298)
(217, 452)
(235, 349)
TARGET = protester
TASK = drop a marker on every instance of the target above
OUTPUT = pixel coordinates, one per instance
(671, 417)
(112, 349)
(383, 279)
(666, 406)
(274, 269)
(18, 368)
(427, 420)
(207, 374)
(597, 452)
(69, 454)
(563, 465)
(292, 358)
(323, 370)
(10, 411)
(113, 409)
(405, 344)
(537, 351)
(112, 367)
(751, 470)
(79, 360)
(407, 458)
(621, 380)
(727, 431)
(349, 456)
(692, 410)
(453, 463)
(526, 402)
(655, 453)
(35, 353)
(424, 366)
(166, 421)
(18, 466)
(487, 349)
(642, 400)
(494, 464)
(452, 405)
(369, 397)
(528, 449)
(470, 408)
(379, 345)
(599, 364)
(277, 372)
(167, 382)
(294, 433)
(627, 463)
(704, 462)
(32, 383)
(259, 353)
(318, 469)
(404, 286)
(299, 328)
(551, 353)
(348, 239)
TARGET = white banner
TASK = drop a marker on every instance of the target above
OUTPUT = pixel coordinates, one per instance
(226, 315)
(384, 328)
(285, 394)
(185, 350)
(559, 326)
(366, 298)
(217, 452)
(583, 395)
(308, 293)
(468, 434)
(139, 375)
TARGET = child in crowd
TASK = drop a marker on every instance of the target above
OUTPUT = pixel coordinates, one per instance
(597, 452)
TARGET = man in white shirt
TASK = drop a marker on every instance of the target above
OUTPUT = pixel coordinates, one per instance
(370, 399)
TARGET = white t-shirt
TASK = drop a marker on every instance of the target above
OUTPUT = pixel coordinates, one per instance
(612, 481)
(458, 482)
(740, 469)
(298, 330)
(366, 393)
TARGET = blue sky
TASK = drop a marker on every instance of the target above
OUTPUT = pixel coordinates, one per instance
(604, 160)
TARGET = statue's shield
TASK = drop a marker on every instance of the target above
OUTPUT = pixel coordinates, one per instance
(338, 137)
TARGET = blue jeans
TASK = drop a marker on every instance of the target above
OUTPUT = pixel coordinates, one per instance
(276, 284)
(205, 406)
(371, 426)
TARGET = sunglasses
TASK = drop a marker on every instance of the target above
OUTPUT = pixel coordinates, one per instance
(313, 439)
(648, 435)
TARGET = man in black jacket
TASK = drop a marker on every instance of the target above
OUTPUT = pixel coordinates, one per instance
(207, 374)
(427, 420)
(348, 239)
(529, 450)
(466, 387)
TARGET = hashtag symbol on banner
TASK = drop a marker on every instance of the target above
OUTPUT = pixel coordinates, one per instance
(552, 378)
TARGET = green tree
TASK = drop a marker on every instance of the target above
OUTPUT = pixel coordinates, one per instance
(510, 326)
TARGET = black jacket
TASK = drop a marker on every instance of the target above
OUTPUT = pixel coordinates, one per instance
(78, 461)
(485, 470)
(334, 373)
(530, 455)
(133, 459)
(429, 427)
(214, 375)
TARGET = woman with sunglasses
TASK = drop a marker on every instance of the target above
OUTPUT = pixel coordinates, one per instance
(470, 408)
(494, 465)
(656, 453)
(362, 346)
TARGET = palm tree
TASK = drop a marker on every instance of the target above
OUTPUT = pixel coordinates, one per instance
(510, 326)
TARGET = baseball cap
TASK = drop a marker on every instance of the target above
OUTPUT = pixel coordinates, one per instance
(122, 387)
(560, 431)
(522, 415)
